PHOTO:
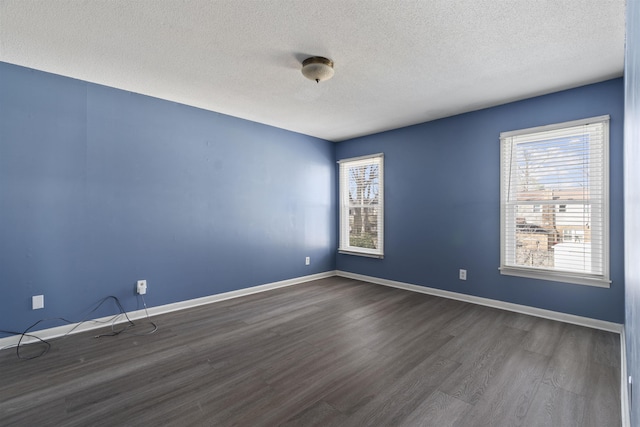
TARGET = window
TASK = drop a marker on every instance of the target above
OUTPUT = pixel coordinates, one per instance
(362, 206)
(554, 219)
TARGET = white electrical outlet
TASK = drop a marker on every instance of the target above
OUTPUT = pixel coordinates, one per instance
(307, 261)
(37, 302)
(142, 287)
(463, 274)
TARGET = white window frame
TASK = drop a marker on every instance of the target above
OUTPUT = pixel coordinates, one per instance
(508, 216)
(344, 242)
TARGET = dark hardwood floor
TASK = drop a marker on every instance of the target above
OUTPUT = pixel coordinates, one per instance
(332, 352)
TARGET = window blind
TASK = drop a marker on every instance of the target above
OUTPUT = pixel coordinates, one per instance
(554, 202)
(362, 206)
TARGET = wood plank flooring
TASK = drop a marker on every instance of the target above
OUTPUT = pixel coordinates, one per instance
(332, 352)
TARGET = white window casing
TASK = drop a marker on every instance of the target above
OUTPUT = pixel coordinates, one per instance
(554, 202)
(361, 181)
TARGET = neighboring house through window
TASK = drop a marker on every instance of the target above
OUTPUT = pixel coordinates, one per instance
(555, 202)
(362, 206)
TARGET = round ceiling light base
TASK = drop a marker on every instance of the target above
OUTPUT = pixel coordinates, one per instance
(317, 68)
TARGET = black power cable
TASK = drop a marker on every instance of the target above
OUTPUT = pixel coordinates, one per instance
(22, 335)
(114, 332)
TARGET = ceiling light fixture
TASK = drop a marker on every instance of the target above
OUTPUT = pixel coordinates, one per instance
(317, 68)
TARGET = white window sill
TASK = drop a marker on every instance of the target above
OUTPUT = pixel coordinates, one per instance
(359, 253)
(556, 276)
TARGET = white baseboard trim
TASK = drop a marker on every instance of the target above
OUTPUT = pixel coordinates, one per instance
(168, 308)
(547, 314)
(624, 388)
(88, 325)
(524, 309)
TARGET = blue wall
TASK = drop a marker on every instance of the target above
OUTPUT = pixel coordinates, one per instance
(442, 200)
(632, 201)
(101, 187)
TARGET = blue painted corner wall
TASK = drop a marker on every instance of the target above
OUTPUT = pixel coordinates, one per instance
(101, 187)
(442, 201)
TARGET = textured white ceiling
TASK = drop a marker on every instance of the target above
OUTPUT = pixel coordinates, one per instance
(397, 62)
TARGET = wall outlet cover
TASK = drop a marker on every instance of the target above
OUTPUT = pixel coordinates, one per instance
(37, 302)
